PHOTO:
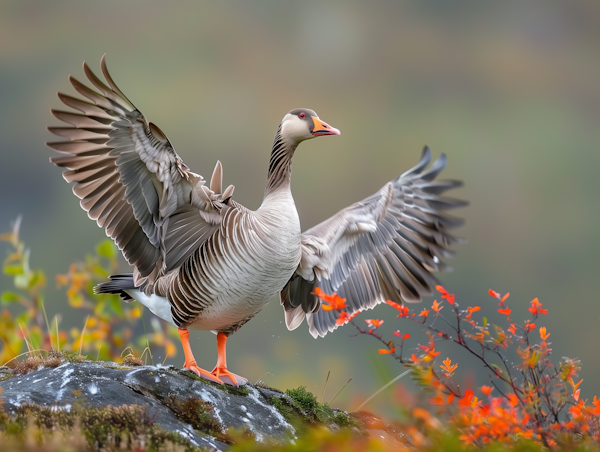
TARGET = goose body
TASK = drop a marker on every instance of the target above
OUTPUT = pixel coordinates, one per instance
(255, 271)
(203, 261)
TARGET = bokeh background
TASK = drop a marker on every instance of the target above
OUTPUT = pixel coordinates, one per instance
(509, 90)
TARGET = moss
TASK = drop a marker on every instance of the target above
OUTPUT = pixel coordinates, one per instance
(102, 428)
(263, 385)
(301, 407)
(131, 360)
(53, 359)
(239, 391)
(6, 377)
(291, 414)
(197, 413)
(3, 415)
(73, 357)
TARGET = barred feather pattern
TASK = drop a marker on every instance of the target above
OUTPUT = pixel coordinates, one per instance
(245, 263)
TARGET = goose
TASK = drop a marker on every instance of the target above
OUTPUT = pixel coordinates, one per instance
(202, 261)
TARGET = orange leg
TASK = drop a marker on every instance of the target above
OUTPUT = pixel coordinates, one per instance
(190, 362)
(220, 371)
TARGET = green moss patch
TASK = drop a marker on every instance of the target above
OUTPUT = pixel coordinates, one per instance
(240, 391)
(197, 413)
(99, 428)
(301, 409)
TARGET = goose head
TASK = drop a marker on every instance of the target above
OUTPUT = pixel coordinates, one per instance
(302, 124)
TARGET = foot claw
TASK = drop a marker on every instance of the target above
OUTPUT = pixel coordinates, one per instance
(203, 373)
(229, 377)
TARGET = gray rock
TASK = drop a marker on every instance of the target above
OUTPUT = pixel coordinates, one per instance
(101, 384)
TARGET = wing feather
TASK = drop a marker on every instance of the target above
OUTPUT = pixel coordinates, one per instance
(382, 248)
(129, 178)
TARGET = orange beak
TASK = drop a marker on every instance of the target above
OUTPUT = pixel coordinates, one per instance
(322, 128)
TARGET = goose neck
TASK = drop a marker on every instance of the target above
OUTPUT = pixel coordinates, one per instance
(280, 164)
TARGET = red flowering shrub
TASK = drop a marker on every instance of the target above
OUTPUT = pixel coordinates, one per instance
(531, 399)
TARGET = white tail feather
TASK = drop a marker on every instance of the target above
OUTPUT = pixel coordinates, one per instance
(159, 306)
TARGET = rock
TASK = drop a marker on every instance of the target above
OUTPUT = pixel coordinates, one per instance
(165, 391)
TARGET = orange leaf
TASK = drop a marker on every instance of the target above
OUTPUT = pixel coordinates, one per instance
(406, 335)
(424, 313)
(447, 367)
(487, 390)
(543, 333)
(404, 311)
(505, 311)
(467, 399)
(436, 400)
(535, 307)
(472, 310)
(374, 322)
(575, 386)
(393, 304)
(436, 306)
(529, 326)
(333, 301)
(343, 318)
(445, 295)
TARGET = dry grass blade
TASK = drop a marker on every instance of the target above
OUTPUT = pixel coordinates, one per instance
(384, 387)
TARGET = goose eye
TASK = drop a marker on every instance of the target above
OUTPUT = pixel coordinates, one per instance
(301, 115)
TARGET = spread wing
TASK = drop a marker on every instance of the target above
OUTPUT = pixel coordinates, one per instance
(131, 181)
(382, 248)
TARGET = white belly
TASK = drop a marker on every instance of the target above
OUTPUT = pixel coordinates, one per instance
(260, 270)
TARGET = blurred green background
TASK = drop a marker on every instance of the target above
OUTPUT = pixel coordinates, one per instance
(509, 90)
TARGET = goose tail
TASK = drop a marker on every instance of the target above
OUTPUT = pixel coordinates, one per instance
(117, 284)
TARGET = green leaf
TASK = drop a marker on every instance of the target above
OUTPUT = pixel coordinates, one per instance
(13, 269)
(38, 278)
(106, 249)
(484, 322)
(10, 297)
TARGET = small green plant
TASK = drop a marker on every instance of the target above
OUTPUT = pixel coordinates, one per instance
(110, 323)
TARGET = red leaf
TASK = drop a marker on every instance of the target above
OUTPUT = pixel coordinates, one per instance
(493, 293)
